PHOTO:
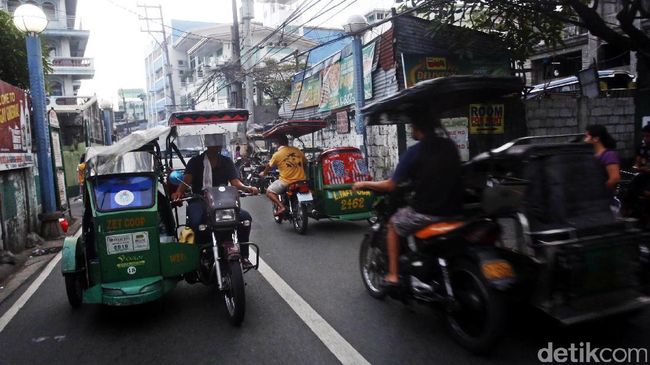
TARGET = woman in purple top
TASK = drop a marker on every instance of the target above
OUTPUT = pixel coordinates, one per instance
(604, 150)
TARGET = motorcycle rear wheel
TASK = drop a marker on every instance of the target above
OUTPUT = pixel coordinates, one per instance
(234, 294)
(479, 318)
(373, 266)
(300, 217)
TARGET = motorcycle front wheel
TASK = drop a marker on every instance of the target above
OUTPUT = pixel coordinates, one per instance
(478, 318)
(300, 217)
(373, 265)
(234, 295)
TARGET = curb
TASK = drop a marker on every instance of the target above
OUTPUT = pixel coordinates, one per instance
(33, 266)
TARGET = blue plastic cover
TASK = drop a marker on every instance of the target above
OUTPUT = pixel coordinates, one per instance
(124, 192)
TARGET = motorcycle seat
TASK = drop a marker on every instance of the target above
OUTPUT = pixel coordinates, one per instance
(298, 185)
(437, 229)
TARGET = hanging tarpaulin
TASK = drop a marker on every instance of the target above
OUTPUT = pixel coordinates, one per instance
(15, 131)
(329, 97)
(306, 92)
(369, 65)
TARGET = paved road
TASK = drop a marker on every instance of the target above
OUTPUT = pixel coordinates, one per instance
(188, 326)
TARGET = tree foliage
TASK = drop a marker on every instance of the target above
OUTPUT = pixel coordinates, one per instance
(274, 79)
(13, 57)
(523, 24)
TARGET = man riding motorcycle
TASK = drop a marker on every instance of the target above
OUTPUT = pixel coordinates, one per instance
(211, 168)
(291, 163)
(433, 167)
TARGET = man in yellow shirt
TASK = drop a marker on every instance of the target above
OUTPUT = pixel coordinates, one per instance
(291, 163)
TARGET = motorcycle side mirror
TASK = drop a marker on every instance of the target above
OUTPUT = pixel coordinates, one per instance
(176, 177)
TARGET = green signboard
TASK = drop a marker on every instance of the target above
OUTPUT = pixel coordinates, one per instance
(419, 67)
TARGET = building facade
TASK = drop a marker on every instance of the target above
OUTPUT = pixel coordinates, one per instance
(580, 50)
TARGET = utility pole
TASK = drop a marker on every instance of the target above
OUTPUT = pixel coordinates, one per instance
(235, 88)
(247, 16)
(164, 46)
(126, 115)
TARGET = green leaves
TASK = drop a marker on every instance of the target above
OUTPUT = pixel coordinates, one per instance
(13, 58)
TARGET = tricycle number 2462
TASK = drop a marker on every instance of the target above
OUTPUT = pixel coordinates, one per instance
(356, 203)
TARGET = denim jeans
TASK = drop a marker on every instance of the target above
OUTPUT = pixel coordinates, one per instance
(196, 216)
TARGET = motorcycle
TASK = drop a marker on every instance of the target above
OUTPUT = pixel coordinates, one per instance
(297, 201)
(450, 265)
(219, 249)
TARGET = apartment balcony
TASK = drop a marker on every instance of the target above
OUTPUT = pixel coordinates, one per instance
(69, 104)
(73, 66)
(159, 84)
(62, 26)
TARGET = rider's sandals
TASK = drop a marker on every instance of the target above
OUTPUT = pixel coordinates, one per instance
(246, 264)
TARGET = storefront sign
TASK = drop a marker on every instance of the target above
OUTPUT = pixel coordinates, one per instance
(425, 67)
(342, 122)
(457, 130)
(486, 118)
(15, 134)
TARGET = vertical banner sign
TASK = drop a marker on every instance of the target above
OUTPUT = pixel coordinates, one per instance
(457, 130)
(342, 122)
(59, 169)
(15, 131)
(486, 118)
(368, 61)
(346, 82)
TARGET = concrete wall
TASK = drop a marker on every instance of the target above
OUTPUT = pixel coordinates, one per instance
(18, 208)
(382, 146)
(565, 115)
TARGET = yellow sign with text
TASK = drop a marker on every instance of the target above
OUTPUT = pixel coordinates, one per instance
(486, 119)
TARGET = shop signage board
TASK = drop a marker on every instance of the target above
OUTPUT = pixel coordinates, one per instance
(419, 67)
(15, 130)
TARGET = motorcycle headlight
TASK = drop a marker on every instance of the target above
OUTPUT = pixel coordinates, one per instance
(224, 215)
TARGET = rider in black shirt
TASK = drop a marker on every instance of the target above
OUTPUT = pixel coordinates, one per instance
(223, 172)
(433, 168)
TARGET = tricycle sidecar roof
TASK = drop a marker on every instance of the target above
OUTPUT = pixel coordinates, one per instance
(441, 94)
(202, 122)
(295, 128)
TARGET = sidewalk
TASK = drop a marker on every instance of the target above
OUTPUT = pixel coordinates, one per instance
(32, 260)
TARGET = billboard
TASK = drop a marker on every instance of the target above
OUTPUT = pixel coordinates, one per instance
(418, 67)
(15, 133)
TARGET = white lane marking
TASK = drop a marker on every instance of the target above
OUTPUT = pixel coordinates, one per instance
(9, 315)
(342, 349)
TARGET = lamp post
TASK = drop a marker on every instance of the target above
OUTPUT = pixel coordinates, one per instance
(355, 27)
(31, 20)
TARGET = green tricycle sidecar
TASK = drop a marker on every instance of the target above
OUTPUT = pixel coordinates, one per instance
(330, 175)
(126, 252)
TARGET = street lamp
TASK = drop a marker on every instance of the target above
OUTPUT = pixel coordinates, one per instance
(355, 26)
(31, 20)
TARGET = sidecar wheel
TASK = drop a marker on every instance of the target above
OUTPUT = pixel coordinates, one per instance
(478, 318)
(235, 296)
(74, 289)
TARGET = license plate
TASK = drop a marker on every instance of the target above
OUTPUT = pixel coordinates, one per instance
(129, 242)
(305, 197)
(247, 169)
